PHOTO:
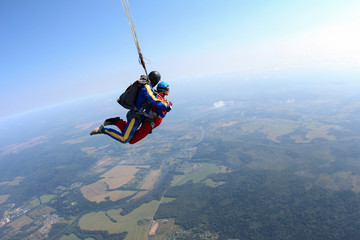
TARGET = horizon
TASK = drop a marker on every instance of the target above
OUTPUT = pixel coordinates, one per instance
(56, 52)
(251, 78)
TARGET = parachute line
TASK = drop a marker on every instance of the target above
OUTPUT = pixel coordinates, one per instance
(129, 17)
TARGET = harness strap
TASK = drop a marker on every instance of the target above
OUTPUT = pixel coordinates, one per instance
(151, 121)
(143, 107)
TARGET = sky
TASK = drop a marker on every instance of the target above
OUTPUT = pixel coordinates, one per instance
(58, 51)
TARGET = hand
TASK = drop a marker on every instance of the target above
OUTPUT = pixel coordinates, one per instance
(168, 109)
(143, 77)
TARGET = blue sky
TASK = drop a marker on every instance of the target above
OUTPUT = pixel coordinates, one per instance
(61, 50)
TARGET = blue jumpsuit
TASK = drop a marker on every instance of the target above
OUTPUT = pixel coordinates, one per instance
(145, 93)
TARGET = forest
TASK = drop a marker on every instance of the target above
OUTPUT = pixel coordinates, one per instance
(264, 205)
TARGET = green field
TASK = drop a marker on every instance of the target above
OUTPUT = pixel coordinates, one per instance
(166, 200)
(70, 237)
(176, 178)
(46, 198)
(136, 223)
(212, 183)
(35, 202)
(73, 237)
(41, 200)
(199, 173)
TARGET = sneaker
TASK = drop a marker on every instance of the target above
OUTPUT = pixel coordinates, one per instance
(97, 130)
(111, 121)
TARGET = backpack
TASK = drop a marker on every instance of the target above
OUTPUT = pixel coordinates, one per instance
(128, 98)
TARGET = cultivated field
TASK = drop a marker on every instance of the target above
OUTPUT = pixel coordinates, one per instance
(161, 229)
(120, 175)
(3, 198)
(15, 182)
(136, 223)
(96, 192)
(151, 179)
(112, 179)
(316, 130)
(38, 212)
(275, 128)
(104, 162)
(21, 222)
(138, 195)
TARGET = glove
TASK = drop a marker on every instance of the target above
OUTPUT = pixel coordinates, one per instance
(143, 77)
(168, 109)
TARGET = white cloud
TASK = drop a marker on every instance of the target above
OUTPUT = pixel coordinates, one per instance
(290, 100)
(219, 104)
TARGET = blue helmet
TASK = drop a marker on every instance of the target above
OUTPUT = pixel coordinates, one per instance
(162, 86)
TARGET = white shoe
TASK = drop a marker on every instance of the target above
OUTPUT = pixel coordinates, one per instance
(97, 130)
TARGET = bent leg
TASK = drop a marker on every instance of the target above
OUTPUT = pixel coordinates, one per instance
(144, 130)
(126, 135)
(157, 122)
(121, 125)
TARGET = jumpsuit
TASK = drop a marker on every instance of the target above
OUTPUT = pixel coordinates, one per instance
(146, 93)
(146, 127)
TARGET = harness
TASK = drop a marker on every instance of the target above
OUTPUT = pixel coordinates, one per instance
(138, 113)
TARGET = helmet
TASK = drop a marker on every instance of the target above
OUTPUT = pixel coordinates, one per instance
(162, 86)
(154, 77)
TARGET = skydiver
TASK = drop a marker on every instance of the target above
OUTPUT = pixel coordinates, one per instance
(134, 117)
(149, 123)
